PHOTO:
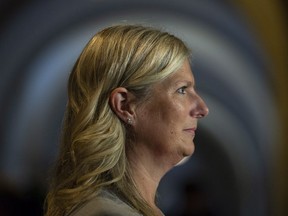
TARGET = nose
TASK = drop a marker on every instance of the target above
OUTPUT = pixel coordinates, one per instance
(201, 110)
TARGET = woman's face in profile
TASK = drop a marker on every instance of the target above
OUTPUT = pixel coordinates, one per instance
(167, 122)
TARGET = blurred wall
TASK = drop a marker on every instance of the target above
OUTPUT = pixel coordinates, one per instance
(240, 65)
(269, 22)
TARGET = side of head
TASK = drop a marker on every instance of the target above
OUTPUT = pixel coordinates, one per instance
(92, 153)
(127, 56)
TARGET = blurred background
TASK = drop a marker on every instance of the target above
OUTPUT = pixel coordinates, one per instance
(239, 61)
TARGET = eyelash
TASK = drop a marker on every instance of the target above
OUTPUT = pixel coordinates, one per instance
(182, 90)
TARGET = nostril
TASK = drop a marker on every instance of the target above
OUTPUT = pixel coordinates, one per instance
(200, 116)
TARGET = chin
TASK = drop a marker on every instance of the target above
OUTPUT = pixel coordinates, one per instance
(189, 151)
(186, 155)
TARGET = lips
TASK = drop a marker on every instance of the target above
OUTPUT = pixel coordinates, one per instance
(190, 130)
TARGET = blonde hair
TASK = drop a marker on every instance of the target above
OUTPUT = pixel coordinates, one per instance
(92, 153)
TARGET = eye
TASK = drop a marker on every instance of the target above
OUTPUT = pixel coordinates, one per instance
(182, 90)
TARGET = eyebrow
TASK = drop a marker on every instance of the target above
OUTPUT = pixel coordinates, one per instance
(190, 83)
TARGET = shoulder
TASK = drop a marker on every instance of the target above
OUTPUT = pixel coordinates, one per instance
(105, 204)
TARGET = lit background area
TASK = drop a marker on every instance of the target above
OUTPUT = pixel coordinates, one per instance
(240, 65)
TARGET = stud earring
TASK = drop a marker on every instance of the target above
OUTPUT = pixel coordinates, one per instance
(129, 120)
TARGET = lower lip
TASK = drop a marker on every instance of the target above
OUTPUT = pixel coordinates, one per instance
(192, 131)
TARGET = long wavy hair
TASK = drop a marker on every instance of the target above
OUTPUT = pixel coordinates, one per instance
(92, 152)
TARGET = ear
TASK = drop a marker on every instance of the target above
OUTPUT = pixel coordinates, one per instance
(122, 103)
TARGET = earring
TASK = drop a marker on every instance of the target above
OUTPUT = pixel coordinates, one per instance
(129, 120)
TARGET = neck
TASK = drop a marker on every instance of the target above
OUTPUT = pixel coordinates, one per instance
(147, 171)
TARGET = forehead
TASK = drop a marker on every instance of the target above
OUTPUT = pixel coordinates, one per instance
(183, 74)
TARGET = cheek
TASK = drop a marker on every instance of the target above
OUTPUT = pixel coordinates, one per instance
(161, 119)
(174, 114)
(167, 121)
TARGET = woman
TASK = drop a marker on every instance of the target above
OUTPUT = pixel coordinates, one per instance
(131, 116)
